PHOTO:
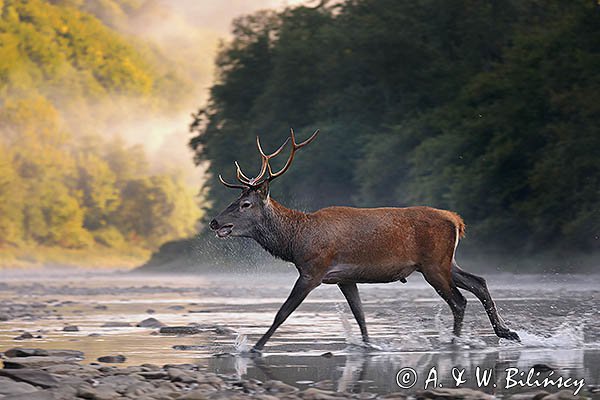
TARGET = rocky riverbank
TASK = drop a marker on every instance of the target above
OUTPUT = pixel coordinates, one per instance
(38, 374)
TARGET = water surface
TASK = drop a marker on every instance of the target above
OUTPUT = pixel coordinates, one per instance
(410, 326)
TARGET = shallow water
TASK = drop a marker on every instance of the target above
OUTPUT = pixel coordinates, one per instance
(556, 316)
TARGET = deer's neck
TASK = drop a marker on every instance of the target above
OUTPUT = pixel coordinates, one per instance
(279, 233)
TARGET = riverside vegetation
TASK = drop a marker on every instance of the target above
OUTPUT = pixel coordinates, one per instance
(72, 192)
(490, 109)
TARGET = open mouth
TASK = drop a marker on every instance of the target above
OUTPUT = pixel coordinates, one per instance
(225, 230)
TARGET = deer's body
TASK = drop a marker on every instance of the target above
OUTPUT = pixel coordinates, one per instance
(346, 246)
(363, 245)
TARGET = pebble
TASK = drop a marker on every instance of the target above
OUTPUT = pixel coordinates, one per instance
(71, 328)
(179, 330)
(112, 359)
(150, 323)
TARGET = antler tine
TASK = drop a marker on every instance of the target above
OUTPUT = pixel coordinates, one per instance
(295, 147)
(231, 185)
(240, 175)
(266, 158)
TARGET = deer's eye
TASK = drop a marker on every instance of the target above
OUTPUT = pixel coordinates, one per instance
(246, 204)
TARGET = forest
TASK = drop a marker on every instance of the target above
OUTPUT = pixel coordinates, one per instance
(487, 108)
(70, 185)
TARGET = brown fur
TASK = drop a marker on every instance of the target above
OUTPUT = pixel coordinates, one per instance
(372, 244)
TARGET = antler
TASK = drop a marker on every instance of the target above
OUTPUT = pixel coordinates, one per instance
(265, 166)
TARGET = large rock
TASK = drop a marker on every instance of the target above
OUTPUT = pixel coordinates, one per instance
(37, 395)
(36, 362)
(23, 352)
(9, 387)
(101, 392)
(33, 377)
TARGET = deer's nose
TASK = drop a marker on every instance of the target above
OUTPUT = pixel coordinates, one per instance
(213, 224)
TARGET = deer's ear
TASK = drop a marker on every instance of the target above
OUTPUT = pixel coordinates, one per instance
(263, 190)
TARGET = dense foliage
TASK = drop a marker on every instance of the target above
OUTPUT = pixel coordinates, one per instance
(487, 108)
(66, 179)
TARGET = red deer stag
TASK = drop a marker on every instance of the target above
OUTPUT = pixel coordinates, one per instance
(346, 246)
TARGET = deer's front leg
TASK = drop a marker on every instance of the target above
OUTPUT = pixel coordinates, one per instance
(303, 286)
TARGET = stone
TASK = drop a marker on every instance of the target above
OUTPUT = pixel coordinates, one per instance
(10, 387)
(66, 353)
(100, 392)
(37, 395)
(320, 394)
(112, 359)
(4, 317)
(178, 375)
(179, 330)
(327, 354)
(176, 307)
(197, 394)
(273, 386)
(150, 323)
(24, 336)
(31, 376)
(71, 328)
(24, 352)
(36, 362)
(116, 359)
(222, 330)
(451, 393)
(542, 368)
(537, 395)
(154, 374)
(562, 395)
(188, 347)
(115, 324)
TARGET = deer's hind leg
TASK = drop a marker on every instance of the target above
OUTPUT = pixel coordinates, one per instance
(440, 279)
(476, 285)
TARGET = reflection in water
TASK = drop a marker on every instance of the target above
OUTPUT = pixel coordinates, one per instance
(372, 372)
(410, 326)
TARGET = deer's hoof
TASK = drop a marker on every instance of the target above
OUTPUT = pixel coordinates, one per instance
(508, 334)
(254, 352)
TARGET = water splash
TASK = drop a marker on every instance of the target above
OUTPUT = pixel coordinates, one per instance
(241, 343)
(568, 335)
(351, 339)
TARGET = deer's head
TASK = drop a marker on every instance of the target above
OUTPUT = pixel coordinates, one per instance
(242, 216)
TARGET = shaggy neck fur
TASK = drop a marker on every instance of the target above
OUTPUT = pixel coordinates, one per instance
(279, 232)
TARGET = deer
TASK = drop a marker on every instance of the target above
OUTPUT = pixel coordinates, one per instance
(347, 246)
